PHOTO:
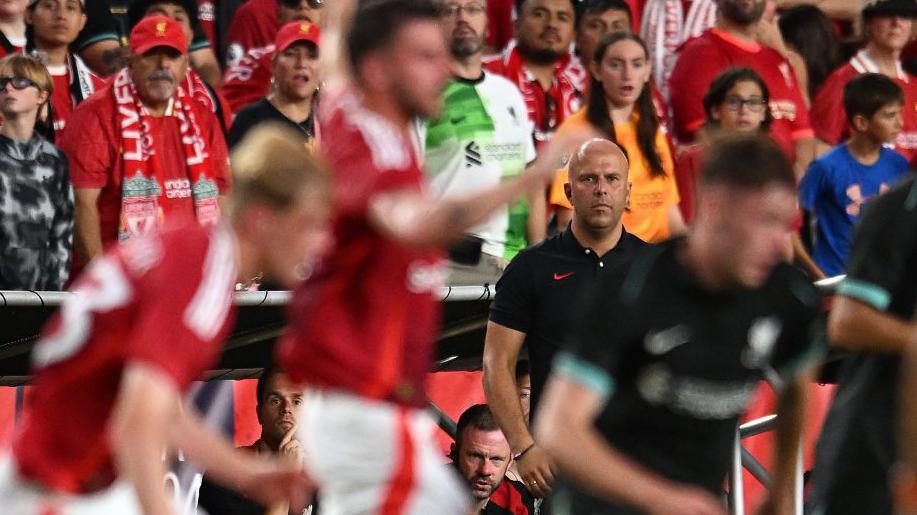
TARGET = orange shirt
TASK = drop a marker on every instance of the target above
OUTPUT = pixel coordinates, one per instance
(650, 196)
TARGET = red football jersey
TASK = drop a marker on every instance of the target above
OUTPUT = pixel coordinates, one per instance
(254, 25)
(249, 80)
(701, 59)
(366, 321)
(165, 301)
(829, 119)
(62, 100)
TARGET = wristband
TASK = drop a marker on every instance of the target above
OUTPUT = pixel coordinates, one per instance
(519, 456)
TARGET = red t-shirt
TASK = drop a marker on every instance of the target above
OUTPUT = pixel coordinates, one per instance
(92, 144)
(366, 322)
(701, 59)
(547, 109)
(62, 101)
(254, 25)
(249, 80)
(164, 301)
(829, 119)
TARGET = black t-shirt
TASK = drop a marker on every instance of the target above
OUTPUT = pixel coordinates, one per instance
(857, 446)
(679, 363)
(539, 289)
(263, 111)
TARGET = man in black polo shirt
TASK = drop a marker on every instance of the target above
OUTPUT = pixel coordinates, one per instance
(535, 296)
(642, 406)
(873, 315)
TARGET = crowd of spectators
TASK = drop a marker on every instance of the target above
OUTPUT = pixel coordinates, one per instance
(115, 121)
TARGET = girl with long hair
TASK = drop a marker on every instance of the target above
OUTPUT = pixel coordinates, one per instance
(621, 108)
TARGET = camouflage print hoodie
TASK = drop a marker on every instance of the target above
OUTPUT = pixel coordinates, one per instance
(36, 215)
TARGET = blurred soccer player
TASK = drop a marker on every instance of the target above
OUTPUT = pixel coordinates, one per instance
(669, 352)
(364, 325)
(145, 320)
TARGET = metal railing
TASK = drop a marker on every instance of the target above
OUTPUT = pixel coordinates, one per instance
(742, 459)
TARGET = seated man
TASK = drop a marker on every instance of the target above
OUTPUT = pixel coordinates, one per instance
(278, 407)
(482, 456)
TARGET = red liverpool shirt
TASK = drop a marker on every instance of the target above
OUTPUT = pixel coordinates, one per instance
(249, 80)
(164, 301)
(706, 56)
(366, 322)
(829, 119)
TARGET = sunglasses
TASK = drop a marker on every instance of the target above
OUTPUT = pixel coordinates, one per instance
(18, 83)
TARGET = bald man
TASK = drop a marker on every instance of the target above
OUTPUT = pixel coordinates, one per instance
(535, 296)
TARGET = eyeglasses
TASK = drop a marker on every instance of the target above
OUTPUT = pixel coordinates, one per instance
(18, 83)
(453, 10)
(754, 104)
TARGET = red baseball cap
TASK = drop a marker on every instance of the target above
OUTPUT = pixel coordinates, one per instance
(297, 31)
(155, 31)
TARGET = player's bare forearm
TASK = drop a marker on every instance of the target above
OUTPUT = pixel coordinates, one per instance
(805, 154)
(501, 352)
(847, 10)
(565, 428)
(854, 325)
(801, 256)
(146, 405)
(87, 224)
(537, 223)
(206, 447)
(791, 413)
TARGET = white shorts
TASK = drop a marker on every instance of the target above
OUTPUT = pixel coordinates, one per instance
(20, 497)
(376, 458)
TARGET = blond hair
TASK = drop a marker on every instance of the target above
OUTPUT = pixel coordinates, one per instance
(30, 68)
(272, 166)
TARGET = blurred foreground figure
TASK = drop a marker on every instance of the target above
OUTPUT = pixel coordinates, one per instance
(145, 320)
(669, 352)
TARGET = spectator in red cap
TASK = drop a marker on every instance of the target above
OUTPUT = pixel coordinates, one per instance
(292, 84)
(200, 77)
(53, 26)
(249, 78)
(888, 25)
(141, 150)
(254, 25)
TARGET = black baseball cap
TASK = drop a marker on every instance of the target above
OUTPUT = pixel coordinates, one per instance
(903, 8)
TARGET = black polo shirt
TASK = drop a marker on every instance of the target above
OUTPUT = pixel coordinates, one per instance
(540, 287)
(678, 364)
(857, 447)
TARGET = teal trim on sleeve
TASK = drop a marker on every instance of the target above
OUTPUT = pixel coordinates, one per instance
(198, 45)
(869, 293)
(587, 374)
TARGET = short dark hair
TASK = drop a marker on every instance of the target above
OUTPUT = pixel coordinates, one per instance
(137, 10)
(261, 388)
(746, 161)
(599, 6)
(866, 93)
(520, 3)
(377, 22)
(719, 88)
(478, 416)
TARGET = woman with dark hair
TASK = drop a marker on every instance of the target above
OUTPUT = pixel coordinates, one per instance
(810, 34)
(735, 102)
(621, 108)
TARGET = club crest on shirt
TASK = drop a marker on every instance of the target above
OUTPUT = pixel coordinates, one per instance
(762, 337)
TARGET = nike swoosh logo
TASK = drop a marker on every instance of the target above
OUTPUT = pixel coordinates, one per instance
(560, 277)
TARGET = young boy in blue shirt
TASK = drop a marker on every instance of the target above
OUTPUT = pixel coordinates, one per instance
(836, 185)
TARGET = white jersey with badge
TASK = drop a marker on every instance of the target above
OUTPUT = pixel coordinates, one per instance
(483, 136)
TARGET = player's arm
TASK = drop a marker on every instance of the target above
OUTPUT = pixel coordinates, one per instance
(856, 325)
(144, 411)
(791, 413)
(501, 353)
(87, 224)
(537, 222)
(677, 224)
(565, 426)
(835, 9)
(265, 480)
(416, 220)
